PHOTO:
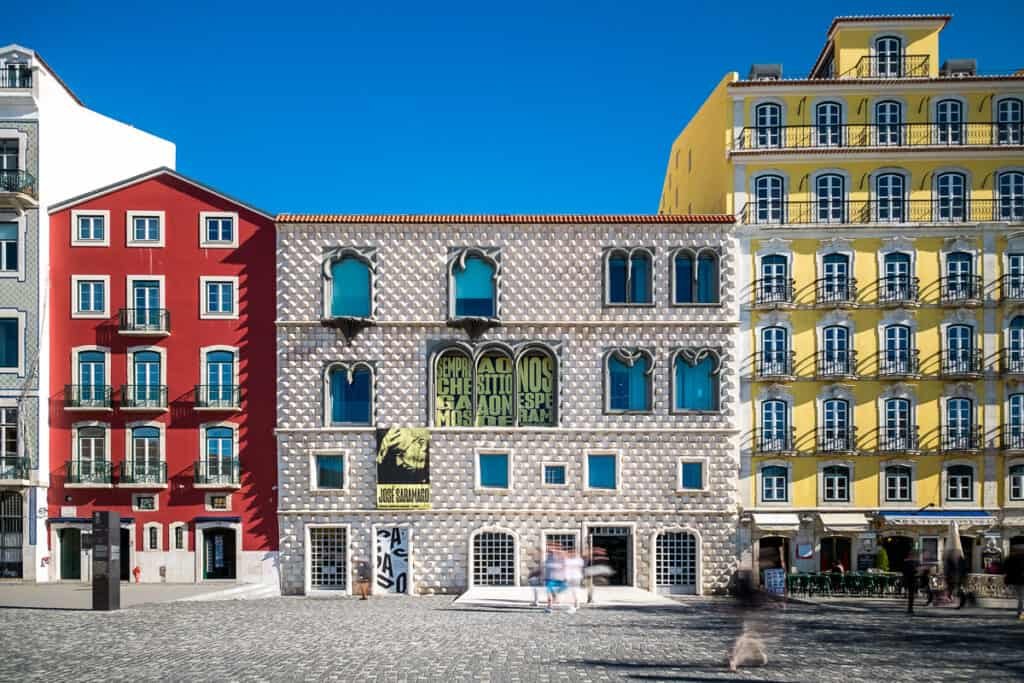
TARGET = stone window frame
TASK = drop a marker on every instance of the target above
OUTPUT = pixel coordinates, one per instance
(76, 214)
(366, 255)
(586, 488)
(147, 529)
(1007, 467)
(208, 504)
(307, 560)
(693, 356)
(759, 483)
(851, 479)
(204, 309)
(137, 496)
(161, 428)
(21, 221)
(695, 253)
(350, 367)
(129, 228)
(171, 533)
(205, 243)
(21, 318)
(629, 356)
(457, 259)
(76, 302)
(314, 487)
(883, 487)
(130, 353)
(704, 463)
(628, 252)
(975, 501)
(480, 488)
(549, 463)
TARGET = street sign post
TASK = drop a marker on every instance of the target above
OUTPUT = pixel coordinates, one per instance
(106, 561)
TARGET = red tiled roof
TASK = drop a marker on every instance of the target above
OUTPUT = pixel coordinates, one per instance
(504, 218)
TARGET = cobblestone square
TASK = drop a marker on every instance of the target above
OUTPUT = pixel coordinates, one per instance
(430, 639)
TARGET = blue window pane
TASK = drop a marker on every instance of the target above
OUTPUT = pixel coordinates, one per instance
(601, 471)
(640, 280)
(474, 289)
(695, 385)
(330, 471)
(629, 387)
(350, 402)
(693, 475)
(350, 288)
(8, 231)
(684, 279)
(707, 279)
(617, 280)
(494, 470)
(219, 442)
(9, 343)
(554, 474)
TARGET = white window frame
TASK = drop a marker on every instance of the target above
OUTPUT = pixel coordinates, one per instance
(129, 226)
(136, 496)
(480, 488)
(233, 426)
(883, 483)
(975, 500)
(162, 435)
(76, 302)
(20, 317)
(851, 478)
(759, 483)
(130, 373)
(205, 243)
(1007, 500)
(307, 578)
(129, 283)
(586, 472)
(208, 505)
(19, 220)
(159, 536)
(313, 455)
(85, 213)
(171, 532)
(703, 462)
(544, 465)
(204, 310)
(105, 350)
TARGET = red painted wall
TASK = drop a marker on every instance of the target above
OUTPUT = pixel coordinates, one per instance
(181, 261)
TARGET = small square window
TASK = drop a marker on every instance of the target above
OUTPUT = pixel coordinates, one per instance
(330, 471)
(89, 228)
(143, 503)
(554, 475)
(220, 297)
(146, 229)
(691, 476)
(601, 473)
(220, 229)
(494, 470)
(92, 296)
(217, 501)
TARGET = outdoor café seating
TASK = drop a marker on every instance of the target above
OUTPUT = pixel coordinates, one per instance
(851, 584)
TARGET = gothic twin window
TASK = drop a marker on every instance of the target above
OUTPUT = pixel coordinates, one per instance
(629, 376)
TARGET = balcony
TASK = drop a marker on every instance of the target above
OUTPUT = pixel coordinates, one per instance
(774, 366)
(16, 76)
(217, 474)
(1011, 362)
(836, 364)
(961, 290)
(218, 397)
(899, 364)
(960, 363)
(960, 439)
(834, 440)
(853, 136)
(888, 67)
(897, 290)
(145, 475)
(875, 211)
(154, 322)
(777, 442)
(1012, 437)
(14, 471)
(902, 440)
(144, 397)
(18, 189)
(86, 397)
(84, 473)
(835, 292)
(1011, 289)
(774, 293)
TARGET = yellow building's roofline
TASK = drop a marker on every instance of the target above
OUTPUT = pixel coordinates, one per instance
(869, 19)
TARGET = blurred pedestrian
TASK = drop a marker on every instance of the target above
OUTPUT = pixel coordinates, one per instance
(536, 578)
(574, 577)
(362, 572)
(1014, 568)
(749, 648)
(554, 575)
(597, 571)
(910, 581)
(953, 567)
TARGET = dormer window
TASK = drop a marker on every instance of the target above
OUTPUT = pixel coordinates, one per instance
(888, 55)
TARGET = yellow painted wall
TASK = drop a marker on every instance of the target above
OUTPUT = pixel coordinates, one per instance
(853, 43)
(699, 174)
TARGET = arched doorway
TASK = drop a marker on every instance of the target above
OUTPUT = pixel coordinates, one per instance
(11, 530)
(898, 549)
(835, 550)
(494, 559)
(675, 563)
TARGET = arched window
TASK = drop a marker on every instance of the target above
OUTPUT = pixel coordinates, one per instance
(836, 284)
(707, 278)
(959, 424)
(960, 280)
(890, 189)
(830, 195)
(220, 389)
(828, 124)
(897, 483)
(837, 432)
(960, 483)
(92, 378)
(1010, 121)
(1013, 432)
(775, 358)
(951, 197)
(476, 294)
(685, 275)
(351, 288)
(495, 390)
(888, 57)
(774, 286)
(350, 395)
(1015, 352)
(889, 122)
(897, 431)
(696, 381)
(1017, 482)
(629, 276)
(92, 454)
(1011, 196)
(774, 484)
(836, 484)
(695, 285)
(896, 279)
(629, 383)
(536, 385)
(146, 461)
(775, 433)
(768, 198)
(219, 461)
(147, 389)
(836, 355)
(898, 358)
(959, 349)
(949, 122)
(768, 122)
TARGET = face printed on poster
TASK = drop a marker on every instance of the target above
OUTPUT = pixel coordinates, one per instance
(403, 468)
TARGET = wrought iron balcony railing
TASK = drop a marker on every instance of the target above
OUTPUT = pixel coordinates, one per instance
(13, 468)
(897, 290)
(897, 440)
(887, 211)
(141, 472)
(899, 363)
(774, 365)
(775, 441)
(961, 289)
(1012, 437)
(144, 321)
(960, 362)
(16, 76)
(856, 135)
(952, 439)
(1011, 288)
(1011, 361)
(836, 363)
(886, 66)
(91, 396)
(217, 472)
(835, 291)
(17, 181)
(772, 292)
(837, 439)
(144, 396)
(89, 472)
(218, 396)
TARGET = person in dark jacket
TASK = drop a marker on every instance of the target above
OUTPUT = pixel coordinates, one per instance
(1014, 568)
(954, 567)
(910, 581)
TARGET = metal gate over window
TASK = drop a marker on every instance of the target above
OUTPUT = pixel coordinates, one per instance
(675, 562)
(10, 535)
(494, 559)
(327, 567)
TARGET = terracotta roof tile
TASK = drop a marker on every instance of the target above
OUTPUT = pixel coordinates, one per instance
(504, 218)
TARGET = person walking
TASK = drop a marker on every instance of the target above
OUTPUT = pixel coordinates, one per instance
(910, 581)
(952, 566)
(574, 578)
(554, 576)
(1014, 569)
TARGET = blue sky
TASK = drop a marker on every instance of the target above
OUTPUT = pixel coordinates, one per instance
(440, 107)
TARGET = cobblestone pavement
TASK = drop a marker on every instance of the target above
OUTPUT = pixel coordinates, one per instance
(429, 639)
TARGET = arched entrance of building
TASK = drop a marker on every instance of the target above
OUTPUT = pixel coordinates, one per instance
(835, 550)
(676, 563)
(11, 535)
(898, 549)
(493, 559)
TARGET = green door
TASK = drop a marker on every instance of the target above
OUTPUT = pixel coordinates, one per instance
(70, 555)
(219, 554)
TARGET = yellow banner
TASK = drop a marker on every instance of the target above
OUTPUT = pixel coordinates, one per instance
(403, 496)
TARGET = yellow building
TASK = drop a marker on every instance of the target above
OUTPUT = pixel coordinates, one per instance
(881, 210)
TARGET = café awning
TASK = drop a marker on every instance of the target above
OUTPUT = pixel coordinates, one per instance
(844, 521)
(936, 517)
(777, 521)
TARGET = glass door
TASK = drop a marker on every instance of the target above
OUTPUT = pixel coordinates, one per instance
(146, 295)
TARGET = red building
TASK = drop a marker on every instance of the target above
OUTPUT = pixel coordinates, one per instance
(162, 382)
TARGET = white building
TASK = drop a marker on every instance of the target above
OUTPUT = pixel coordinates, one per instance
(457, 392)
(51, 148)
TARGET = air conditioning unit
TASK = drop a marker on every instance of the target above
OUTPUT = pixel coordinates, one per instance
(959, 68)
(765, 72)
